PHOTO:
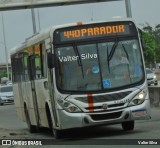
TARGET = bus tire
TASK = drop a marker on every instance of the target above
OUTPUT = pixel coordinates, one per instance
(128, 125)
(56, 133)
(1, 103)
(32, 129)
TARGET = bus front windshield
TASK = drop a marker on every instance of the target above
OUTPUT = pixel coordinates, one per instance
(99, 66)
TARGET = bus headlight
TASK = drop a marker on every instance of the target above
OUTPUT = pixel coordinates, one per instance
(69, 106)
(138, 99)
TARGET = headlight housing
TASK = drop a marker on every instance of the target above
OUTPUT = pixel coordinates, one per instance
(154, 76)
(139, 98)
(3, 98)
(69, 107)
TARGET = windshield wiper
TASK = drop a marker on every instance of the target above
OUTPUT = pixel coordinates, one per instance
(99, 64)
(113, 50)
(77, 54)
(79, 59)
(108, 60)
(110, 55)
(125, 51)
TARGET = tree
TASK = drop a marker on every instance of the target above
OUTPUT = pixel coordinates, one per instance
(149, 51)
(151, 36)
(3, 73)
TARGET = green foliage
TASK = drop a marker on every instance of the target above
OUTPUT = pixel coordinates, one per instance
(3, 73)
(151, 36)
(157, 53)
(149, 47)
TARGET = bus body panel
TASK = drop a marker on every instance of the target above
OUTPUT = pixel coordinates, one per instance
(30, 104)
(42, 97)
(141, 112)
(18, 103)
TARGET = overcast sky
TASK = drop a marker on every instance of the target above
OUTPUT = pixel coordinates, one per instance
(18, 23)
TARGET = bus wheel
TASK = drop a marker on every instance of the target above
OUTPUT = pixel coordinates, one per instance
(1, 103)
(32, 129)
(56, 133)
(128, 125)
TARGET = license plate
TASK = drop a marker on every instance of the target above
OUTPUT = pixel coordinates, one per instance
(139, 113)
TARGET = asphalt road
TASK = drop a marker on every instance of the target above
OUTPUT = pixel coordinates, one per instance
(11, 127)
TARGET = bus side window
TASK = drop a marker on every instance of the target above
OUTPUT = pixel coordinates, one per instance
(25, 67)
(17, 68)
(31, 67)
(13, 65)
(39, 61)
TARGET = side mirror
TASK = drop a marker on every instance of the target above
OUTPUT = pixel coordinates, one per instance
(50, 60)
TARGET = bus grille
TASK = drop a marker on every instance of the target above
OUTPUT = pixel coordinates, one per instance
(107, 116)
(110, 107)
(106, 98)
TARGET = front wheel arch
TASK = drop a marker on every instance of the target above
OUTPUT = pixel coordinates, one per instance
(56, 133)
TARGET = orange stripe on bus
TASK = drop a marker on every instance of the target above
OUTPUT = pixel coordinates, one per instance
(90, 102)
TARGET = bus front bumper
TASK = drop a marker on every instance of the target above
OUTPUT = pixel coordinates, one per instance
(77, 120)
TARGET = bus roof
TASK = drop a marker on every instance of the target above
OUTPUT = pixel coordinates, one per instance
(48, 33)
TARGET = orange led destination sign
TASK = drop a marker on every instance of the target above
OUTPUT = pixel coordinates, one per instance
(94, 31)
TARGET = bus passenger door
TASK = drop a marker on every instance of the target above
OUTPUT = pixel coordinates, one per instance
(32, 74)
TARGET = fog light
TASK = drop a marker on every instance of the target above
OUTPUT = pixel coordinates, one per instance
(137, 101)
(72, 108)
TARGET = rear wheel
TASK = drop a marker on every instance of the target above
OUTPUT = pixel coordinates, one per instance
(128, 125)
(32, 128)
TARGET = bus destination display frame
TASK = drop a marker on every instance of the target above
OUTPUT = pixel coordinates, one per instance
(93, 31)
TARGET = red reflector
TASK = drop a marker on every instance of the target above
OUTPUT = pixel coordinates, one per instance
(79, 23)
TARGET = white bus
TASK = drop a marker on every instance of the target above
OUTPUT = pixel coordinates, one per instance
(80, 75)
